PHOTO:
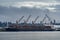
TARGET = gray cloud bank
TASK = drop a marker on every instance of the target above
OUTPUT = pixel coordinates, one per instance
(14, 13)
(11, 10)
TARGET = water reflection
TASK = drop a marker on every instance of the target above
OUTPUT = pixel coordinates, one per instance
(30, 35)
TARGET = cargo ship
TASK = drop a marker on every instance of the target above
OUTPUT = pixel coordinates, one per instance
(31, 26)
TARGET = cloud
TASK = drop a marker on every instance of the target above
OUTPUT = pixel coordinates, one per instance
(26, 0)
(14, 13)
(12, 10)
(31, 4)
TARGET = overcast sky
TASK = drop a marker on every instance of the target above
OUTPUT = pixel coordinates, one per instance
(12, 10)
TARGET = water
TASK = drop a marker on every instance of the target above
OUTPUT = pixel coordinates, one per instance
(30, 35)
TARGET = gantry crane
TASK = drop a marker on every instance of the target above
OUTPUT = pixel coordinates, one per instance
(25, 21)
(17, 21)
(48, 25)
(35, 20)
(46, 16)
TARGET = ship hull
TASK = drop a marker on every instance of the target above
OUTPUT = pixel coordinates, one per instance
(40, 28)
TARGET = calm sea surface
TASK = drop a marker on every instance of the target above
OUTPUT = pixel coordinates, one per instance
(30, 35)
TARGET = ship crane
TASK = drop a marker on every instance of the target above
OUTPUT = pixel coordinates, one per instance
(46, 16)
(33, 22)
(17, 21)
(25, 21)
